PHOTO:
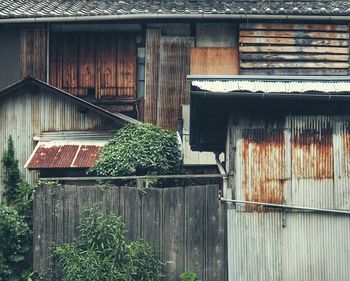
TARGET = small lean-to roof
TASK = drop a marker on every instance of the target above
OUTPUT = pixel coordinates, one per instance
(68, 10)
(60, 154)
(272, 86)
(32, 83)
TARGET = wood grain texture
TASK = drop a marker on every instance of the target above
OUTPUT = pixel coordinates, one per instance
(187, 224)
(33, 53)
(294, 49)
(214, 61)
(287, 26)
(152, 74)
(126, 65)
(173, 89)
(100, 63)
(294, 34)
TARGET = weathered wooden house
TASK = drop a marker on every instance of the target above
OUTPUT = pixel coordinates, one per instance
(62, 130)
(267, 83)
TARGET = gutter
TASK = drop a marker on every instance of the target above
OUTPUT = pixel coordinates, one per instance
(155, 16)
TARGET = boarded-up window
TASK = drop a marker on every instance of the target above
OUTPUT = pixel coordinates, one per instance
(214, 61)
(100, 65)
(294, 49)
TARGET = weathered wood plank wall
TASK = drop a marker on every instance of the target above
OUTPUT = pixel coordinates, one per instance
(187, 224)
(294, 49)
(33, 53)
(95, 63)
(167, 64)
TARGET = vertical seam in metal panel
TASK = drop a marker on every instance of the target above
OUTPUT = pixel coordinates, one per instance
(48, 53)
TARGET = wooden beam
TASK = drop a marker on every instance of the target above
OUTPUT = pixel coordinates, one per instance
(294, 34)
(287, 26)
(293, 57)
(293, 41)
(293, 49)
(294, 65)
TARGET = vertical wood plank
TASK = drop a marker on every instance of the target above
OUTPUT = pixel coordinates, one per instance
(43, 231)
(87, 58)
(173, 233)
(195, 229)
(108, 64)
(151, 215)
(126, 65)
(131, 211)
(70, 63)
(33, 53)
(152, 72)
(173, 89)
(216, 262)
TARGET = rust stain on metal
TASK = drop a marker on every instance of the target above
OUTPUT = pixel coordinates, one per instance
(263, 158)
(64, 156)
(312, 151)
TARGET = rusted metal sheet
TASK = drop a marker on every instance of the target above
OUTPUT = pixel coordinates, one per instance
(64, 154)
(287, 247)
(261, 166)
(275, 48)
(312, 161)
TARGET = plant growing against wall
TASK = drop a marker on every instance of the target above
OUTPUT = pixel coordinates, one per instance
(140, 149)
(12, 175)
(102, 253)
(189, 276)
(16, 222)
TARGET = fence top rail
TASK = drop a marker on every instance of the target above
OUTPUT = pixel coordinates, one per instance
(135, 177)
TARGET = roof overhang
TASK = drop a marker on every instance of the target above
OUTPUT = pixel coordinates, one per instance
(214, 97)
(65, 154)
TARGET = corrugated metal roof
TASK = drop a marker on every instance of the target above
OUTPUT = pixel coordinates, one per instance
(273, 86)
(65, 154)
(79, 9)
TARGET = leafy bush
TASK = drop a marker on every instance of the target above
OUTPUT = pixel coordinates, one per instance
(143, 147)
(189, 276)
(14, 240)
(16, 221)
(102, 253)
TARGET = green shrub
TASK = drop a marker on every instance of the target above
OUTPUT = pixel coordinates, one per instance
(102, 253)
(14, 243)
(140, 146)
(12, 175)
(189, 276)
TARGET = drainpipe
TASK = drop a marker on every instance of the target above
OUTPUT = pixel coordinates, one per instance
(224, 176)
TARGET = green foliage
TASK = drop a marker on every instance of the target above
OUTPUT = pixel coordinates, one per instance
(14, 235)
(16, 222)
(102, 253)
(144, 146)
(189, 276)
(12, 176)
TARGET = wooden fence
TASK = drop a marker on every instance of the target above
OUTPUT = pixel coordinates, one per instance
(188, 224)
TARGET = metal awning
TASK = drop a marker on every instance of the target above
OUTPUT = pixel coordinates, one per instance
(273, 86)
(59, 154)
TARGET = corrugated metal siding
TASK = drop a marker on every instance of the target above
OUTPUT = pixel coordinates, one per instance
(10, 71)
(311, 247)
(305, 160)
(24, 115)
(261, 86)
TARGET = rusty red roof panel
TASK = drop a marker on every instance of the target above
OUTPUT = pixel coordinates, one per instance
(63, 154)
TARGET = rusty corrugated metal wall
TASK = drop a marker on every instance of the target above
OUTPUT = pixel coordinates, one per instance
(24, 115)
(295, 160)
